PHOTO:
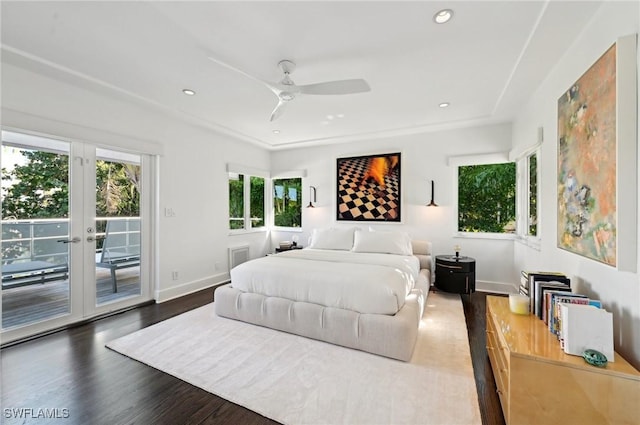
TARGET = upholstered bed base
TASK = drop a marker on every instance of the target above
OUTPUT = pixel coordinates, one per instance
(390, 336)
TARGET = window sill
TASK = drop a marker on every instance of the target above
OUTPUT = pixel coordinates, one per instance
(480, 235)
(287, 229)
(247, 231)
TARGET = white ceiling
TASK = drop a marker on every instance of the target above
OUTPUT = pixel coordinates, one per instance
(486, 61)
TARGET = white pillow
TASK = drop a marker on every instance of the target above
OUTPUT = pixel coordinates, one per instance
(340, 239)
(383, 242)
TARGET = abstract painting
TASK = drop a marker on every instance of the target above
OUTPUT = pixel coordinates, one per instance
(587, 163)
(368, 188)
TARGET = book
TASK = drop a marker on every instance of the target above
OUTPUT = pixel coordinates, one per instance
(561, 330)
(531, 277)
(595, 303)
(536, 296)
(540, 272)
(527, 277)
(555, 321)
(548, 294)
(587, 327)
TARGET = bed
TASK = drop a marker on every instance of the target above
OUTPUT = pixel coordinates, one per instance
(362, 290)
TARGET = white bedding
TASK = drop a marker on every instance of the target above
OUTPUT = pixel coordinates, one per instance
(360, 282)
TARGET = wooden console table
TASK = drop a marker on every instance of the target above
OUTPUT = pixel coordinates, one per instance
(539, 384)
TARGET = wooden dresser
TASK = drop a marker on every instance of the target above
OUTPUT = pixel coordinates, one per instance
(539, 384)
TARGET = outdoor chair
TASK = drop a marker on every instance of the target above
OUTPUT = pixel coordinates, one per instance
(120, 248)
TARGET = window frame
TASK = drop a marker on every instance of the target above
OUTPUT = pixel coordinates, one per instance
(264, 203)
(482, 159)
(247, 173)
(523, 206)
(281, 176)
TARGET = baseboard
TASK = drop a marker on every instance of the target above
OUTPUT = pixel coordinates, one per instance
(191, 287)
(496, 287)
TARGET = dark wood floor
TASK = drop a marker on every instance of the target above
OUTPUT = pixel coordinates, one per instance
(73, 372)
(475, 314)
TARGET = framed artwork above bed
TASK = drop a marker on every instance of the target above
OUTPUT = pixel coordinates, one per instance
(368, 188)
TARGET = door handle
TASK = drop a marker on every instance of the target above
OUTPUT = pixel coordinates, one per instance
(74, 240)
(96, 238)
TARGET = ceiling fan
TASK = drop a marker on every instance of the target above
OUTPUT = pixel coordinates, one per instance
(286, 90)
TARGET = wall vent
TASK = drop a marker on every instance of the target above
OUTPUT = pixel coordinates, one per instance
(238, 255)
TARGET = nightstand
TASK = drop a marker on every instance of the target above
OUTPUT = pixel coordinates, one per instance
(456, 274)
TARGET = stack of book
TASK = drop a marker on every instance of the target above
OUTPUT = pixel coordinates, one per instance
(551, 307)
(285, 245)
(577, 321)
(532, 284)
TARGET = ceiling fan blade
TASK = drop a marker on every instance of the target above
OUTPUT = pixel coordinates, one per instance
(336, 87)
(278, 110)
(271, 86)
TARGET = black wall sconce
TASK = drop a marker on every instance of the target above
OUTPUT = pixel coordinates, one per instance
(432, 203)
(312, 197)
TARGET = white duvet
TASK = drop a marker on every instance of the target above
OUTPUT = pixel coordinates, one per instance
(361, 282)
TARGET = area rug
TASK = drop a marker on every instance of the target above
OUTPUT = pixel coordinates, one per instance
(296, 380)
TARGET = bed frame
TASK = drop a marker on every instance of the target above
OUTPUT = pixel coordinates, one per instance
(386, 335)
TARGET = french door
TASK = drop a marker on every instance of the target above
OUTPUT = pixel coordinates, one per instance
(75, 232)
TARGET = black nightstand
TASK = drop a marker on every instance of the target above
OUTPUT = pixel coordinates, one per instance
(456, 274)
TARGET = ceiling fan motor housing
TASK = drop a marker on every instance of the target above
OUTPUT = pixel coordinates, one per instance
(286, 66)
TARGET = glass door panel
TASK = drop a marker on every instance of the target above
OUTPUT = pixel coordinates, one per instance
(36, 242)
(117, 224)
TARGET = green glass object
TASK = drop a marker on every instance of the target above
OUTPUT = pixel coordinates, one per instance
(594, 357)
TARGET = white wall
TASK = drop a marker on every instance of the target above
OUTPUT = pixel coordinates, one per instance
(194, 184)
(193, 177)
(619, 291)
(424, 158)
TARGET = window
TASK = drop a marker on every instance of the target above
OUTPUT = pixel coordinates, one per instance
(529, 202)
(532, 210)
(236, 201)
(256, 203)
(487, 198)
(287, 202)
(246, 202)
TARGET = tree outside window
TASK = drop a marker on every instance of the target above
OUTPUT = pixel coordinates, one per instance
(256, 202)
(533, 194)
(236, 201)
(487, 198)
(287, 202)
(38, 188)
(246, 199)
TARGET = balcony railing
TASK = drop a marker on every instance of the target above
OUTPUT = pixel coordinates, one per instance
(35, 240)
(39, 241)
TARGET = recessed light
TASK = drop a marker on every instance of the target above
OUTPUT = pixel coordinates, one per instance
(276, 131)
(444, 104)
(330, 117)
(443, 16)
(188, 92)
(324, 122)
(340, 115)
